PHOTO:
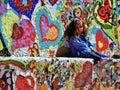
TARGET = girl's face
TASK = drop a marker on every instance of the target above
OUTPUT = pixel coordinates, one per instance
(78, 27)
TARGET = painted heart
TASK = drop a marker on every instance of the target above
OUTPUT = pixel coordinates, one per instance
(49, 31)
(25, 7)
(17, 31)
(23, 84)
(52, 2)
(85, 77)
(23, 35)
(102, 13)
(101, 42)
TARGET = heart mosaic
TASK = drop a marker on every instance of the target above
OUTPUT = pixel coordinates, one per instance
(22, 7)
(102, 13)
(49, 31)
(101, 42)
(85, 77)
(23, 35)
(22, 82)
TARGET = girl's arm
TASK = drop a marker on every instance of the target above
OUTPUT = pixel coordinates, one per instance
(92, 49)
(89, 42)
(90, 45)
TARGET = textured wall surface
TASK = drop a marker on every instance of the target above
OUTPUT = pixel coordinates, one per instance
(45, 73)
(35, 28)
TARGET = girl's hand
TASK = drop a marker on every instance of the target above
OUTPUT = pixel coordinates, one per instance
(92, 49)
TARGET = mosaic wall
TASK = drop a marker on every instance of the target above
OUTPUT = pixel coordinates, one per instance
(58, 74)
(45, 74)
(36, 27)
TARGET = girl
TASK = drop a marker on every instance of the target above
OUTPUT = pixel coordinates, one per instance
(79, 43)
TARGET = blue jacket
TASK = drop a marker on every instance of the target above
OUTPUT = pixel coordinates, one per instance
(80, 46)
